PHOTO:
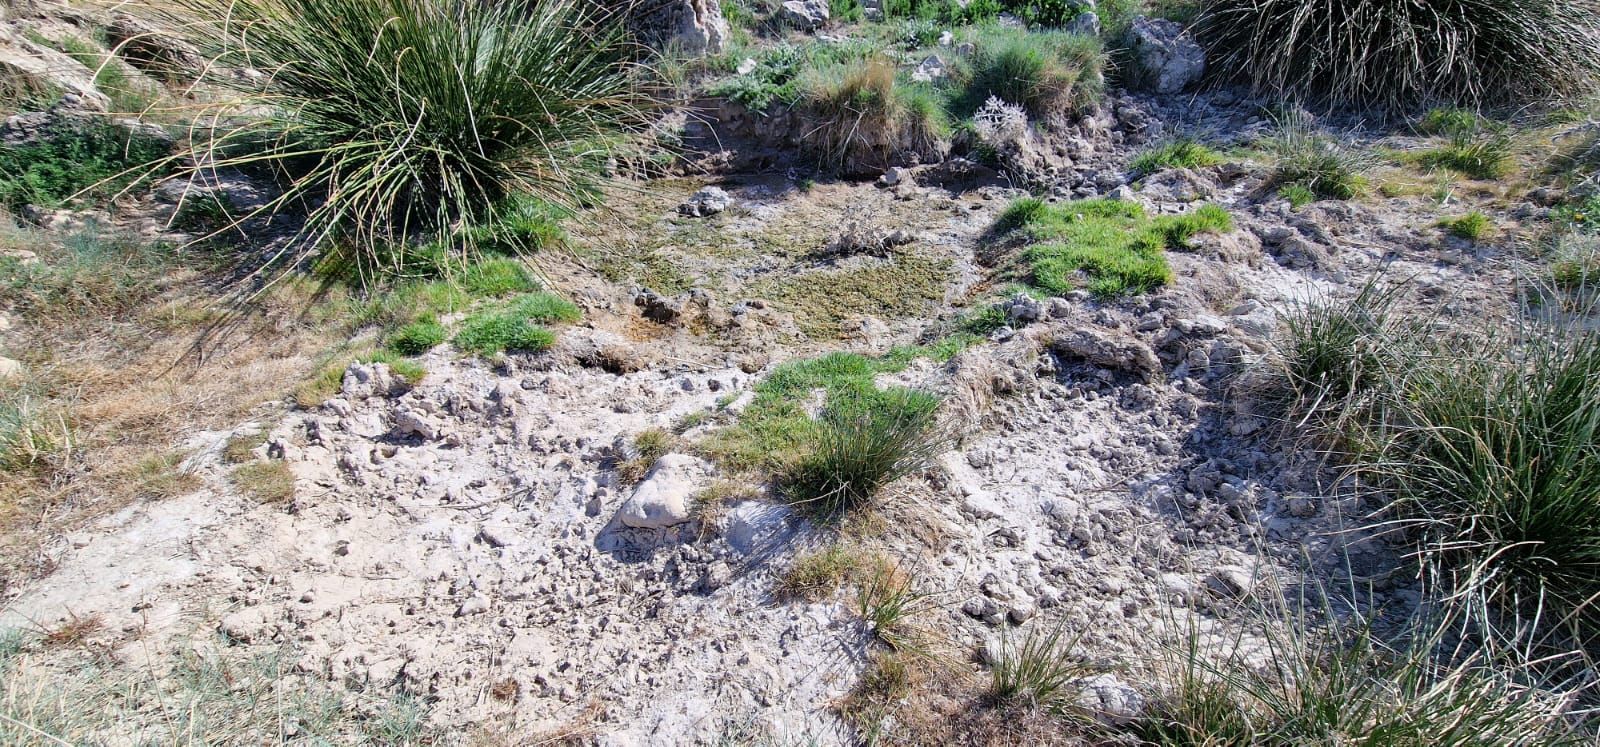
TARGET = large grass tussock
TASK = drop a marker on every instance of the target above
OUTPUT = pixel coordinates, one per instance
(391, 118)
(1396, 53)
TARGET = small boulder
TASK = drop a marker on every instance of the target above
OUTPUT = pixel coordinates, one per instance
(1166, 59)
(662, 499)
(706, 202)
(805, 15)
(1103, 350)
(9, 368)
(932, 68)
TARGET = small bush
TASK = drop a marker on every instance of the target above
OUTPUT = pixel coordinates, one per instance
(777, 77)
(1472, 226)
(1316, 162)
(395, 118)
(1051, 14)
(844, 11)
(417, 337)
(1396, 53)
(1182, 153)
(863, 442)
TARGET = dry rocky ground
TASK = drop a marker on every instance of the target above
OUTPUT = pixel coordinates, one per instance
(479, 541)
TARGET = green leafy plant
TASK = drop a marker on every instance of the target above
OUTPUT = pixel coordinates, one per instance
(92, 159)
(1396, 53)
(394, 118)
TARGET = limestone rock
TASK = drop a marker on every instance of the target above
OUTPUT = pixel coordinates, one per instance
(1103, 350)
(1166, 59)
(806, 15)
(707, 201)
(662, 499)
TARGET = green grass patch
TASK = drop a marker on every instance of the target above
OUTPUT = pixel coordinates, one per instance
(1473, 226)
(417, 337)
(1298, 195)
(1185, 153)
(1108, 246)
(515, 325)
(1479, 154)
(498, 277)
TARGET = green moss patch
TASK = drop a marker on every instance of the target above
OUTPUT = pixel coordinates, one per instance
(823, 300)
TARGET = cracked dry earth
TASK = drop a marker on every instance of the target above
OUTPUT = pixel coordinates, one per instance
(470, 539)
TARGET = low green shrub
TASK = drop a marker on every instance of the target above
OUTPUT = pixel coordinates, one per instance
(1333, 350)
(91, 159)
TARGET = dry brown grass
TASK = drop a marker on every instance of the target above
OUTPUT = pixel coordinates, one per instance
(266, 482)
(134, 365)
(74, 631)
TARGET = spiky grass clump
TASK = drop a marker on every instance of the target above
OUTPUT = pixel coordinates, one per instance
(1316, 162)
(1048, 73)
(1038, 670)
(1333, 350)
(1495, 454)
(1185, 153)
(1473, 226)
(394, 118)
(1396, 53)
(864, 441)
(1339, 683)
(1479, 152)
(866, 117)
